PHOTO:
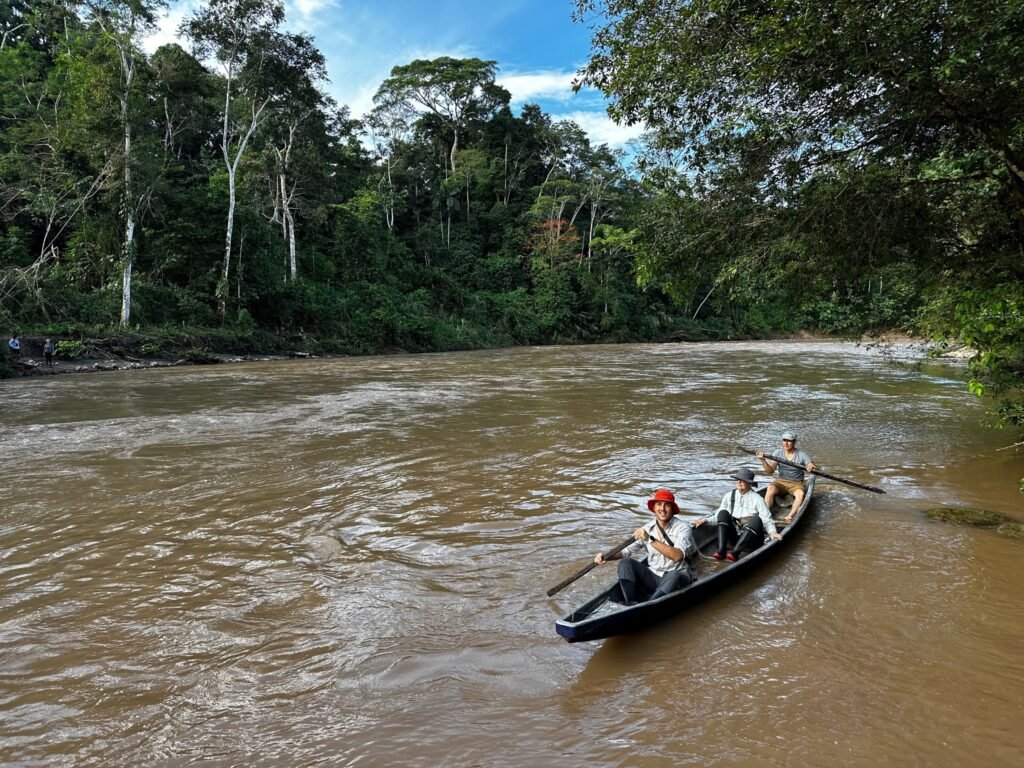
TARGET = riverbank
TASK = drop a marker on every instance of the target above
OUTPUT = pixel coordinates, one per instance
(30, 366)
(128, 352)
(100, 350)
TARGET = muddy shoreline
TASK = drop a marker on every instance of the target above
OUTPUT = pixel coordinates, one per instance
(37, 366)
(896, 346)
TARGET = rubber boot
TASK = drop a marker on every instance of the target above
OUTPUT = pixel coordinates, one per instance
(723, 540)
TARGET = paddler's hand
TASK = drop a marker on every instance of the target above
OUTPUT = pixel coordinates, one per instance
(599, 558)
(698, 523)
(760, 455)
(789, 518)
(776, 536)
(811, 466)
(641, 534)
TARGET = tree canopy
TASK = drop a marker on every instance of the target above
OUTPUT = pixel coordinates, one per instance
(220, 187)
(863, 160)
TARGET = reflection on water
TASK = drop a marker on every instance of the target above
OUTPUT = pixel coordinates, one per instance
(344, 562)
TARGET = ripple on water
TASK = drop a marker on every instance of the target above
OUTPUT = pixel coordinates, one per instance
(175, 588)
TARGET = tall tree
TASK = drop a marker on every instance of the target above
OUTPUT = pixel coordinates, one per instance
(390, 126)
(453, 90)
(123, 22)
(292, 74)
(239, 35)
(47, 179)
(802, 121)
(186, 93)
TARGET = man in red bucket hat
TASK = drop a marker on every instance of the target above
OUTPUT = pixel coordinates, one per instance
(670, 548)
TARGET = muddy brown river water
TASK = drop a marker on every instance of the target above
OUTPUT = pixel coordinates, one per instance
(344, 562)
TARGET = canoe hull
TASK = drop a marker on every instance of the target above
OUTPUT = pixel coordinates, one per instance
(600, 617)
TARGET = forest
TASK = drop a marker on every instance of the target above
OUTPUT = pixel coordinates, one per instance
(221, 191)
(835, 168)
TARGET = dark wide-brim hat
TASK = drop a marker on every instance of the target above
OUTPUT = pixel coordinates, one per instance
(663, 495)
(745, 475)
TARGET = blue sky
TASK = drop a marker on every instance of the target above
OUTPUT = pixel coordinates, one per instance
(535, 42)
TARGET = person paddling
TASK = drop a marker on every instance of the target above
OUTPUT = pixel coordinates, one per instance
(742, 507)
(670, 548)
(791, 479)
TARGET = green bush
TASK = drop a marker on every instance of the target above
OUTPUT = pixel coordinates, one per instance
(69, 349)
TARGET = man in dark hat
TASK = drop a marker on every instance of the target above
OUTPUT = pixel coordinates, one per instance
(791, 479)
(745, 508)
(670, 549)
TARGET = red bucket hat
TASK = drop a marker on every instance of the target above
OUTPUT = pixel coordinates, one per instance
(664, 495)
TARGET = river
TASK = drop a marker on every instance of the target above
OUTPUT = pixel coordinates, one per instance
(343, 563)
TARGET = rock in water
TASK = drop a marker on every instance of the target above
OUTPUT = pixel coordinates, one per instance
(1011, 530)
(976, 517)
(324, 547)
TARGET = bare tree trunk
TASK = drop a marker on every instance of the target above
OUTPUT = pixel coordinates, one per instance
(168, 130)
(292, 263)
(128, 249)
(389, 206)
(122, 39)
(551, 170)
(126, 273)
(286, 196)
(505, 175)
(238, 268)
(225, 142)
(7, 32)
(232, 168)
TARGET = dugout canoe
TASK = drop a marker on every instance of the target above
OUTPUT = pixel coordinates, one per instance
(602, 617)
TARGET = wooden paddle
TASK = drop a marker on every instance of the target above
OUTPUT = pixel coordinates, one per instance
(817, 472)
(584, 571)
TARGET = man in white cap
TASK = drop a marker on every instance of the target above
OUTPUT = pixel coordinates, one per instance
(790, 479)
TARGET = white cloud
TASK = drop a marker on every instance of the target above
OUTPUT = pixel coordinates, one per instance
(305, 18)
(602, 129)
(554, 86)
(167, 27)
(309, 13)
(358, 100)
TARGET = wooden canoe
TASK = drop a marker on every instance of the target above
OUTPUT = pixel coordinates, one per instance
(602, 616)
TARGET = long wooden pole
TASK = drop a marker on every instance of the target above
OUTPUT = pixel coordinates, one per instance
(584, 571)
(817, 472)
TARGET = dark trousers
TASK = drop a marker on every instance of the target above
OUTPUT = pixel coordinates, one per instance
(751, 538)
(638, 582)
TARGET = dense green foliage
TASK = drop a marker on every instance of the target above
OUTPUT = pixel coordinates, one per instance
(222, 188)
(841, 165)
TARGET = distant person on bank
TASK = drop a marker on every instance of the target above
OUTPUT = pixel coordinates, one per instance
(741, 509)
(15, 346)
(48, 350)
(791, 479)
(670, 550)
